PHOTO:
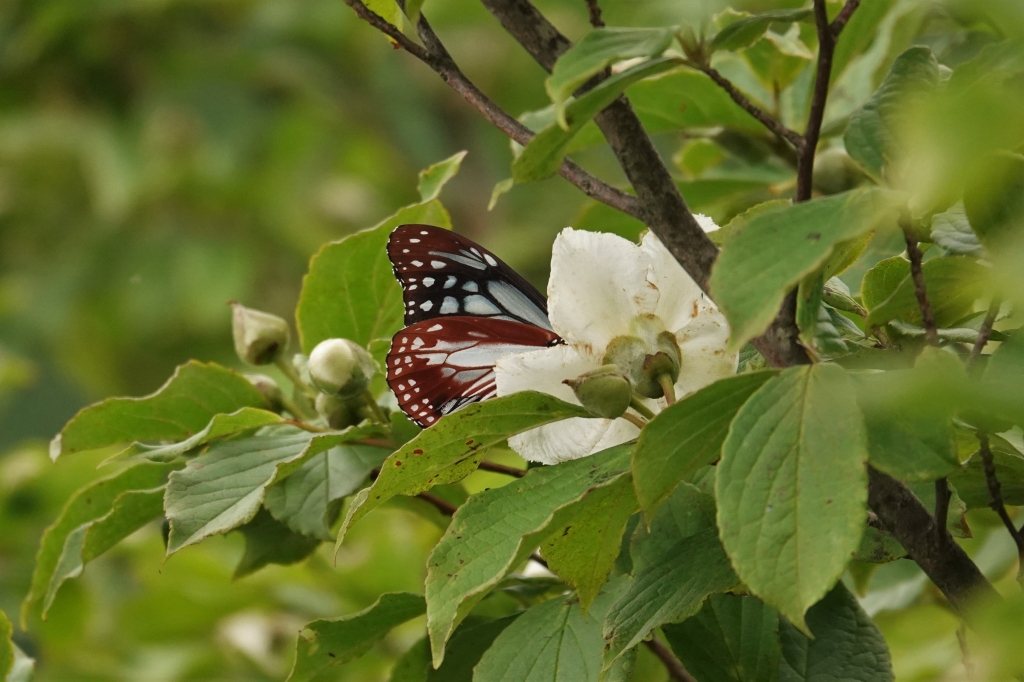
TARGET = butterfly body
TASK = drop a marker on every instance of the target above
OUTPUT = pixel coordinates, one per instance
(464, 309)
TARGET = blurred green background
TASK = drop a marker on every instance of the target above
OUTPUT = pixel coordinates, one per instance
(159, 158)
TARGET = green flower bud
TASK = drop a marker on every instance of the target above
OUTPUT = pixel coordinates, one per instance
(835, 172)
(341, 367)
(259, 337)
(645, 360)
(338, 412)
(270, 390)
(604, 392)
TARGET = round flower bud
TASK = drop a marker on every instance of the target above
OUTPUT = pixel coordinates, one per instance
(337, 411)
(604, 392)
(259, 337)
(835, 172)
(644, 360)
(270, 390)
(341, 367)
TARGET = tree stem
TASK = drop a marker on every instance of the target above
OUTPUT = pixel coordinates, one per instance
(931, 332)
(995, 492)
(676, 671)
(984, 332)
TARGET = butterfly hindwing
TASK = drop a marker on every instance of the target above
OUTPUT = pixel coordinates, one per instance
(443, 274)
(437, 366)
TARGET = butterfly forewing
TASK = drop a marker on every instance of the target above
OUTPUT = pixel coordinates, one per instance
(438, 366)
(443, 274)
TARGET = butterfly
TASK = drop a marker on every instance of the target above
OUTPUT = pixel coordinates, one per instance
(464, 308)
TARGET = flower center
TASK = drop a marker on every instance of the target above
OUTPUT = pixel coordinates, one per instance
(649, 355)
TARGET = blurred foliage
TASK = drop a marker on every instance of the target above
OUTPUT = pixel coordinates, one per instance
(160, 158)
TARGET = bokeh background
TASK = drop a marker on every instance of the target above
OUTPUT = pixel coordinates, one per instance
(159, 158)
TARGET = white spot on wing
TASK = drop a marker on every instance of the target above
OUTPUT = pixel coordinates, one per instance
(449, 306)
(428, 281)
(490, 260)
(438, 264)
(478, 305)
(435, 328)
(426, 305)
(418, 263)
(450, 282)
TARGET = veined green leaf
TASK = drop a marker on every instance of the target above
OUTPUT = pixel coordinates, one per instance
(1003, 380)
(388, 10)
(435, 177)
(970, 481)
(542, 156)
(88, 505)
(268, 541)
(733, 639)
(952, 231)
(882, 280)
(676, 565)
(326, 643)
(468, 644)
(182, 407)
(775, 250)
(687, 435)
(583, 549)
(224, 488)
(846, 644)
(746, 31)
(451, 449)
(953, 284)
(551, 641)
(598, 50)
(497, 529)
(350, 290)
(792, 487)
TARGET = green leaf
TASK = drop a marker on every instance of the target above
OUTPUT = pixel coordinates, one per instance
(598, 50)
(88, 504)
(433, 178)
(808, 307)
(268, 541)
(413, 8)
(676, 565)
(308, 501)
(745, 32)
(543, 155)
(953, 284)
(451, 449)
(468, 644)
(792, 487)
(779, 59)
(222, 426)
(687, 435)
(846, 646)
(583, 550)
(952, 231)
(720, 237)
(179, 409)
(732, 639)
(972, 485)
(1003, 380)
(224, 488)
(326, 643)
(775, 250)
(956, 523)
(870, 136)
(688, 99)
(550, 641)
(350, 291)
(879, 547)
(497, 529)
(388, 10)
(881, 281)
(6, 646)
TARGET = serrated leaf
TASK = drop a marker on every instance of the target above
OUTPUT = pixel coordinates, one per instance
(268, 541)
(733, 639)
(583, 550)
(326, 643)
(687, 435)
(550, 641)
(543, 155)
(676, 565)
(792, 487)
(870, 136)
(952, 231)
(972, 486)
(350, 291)
(88, 504)
(435, 177)
(177, 410)
(775, 250)
(598, 50)
(451, 449)
(953, 284)
(846, 644)
(497, 529)
(748, 30)
(467, 646)
(224, 488)
(307, 501)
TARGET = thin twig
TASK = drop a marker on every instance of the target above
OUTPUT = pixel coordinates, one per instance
(675, 669)
(984, 332)
(638, 422)
(965, 654)
(502, 469)
(995, 492)
(767, 120)
(442, 506)
(931, 333)
(539, 559)
(826, 50)
(942, 498)
(441, 62)
(839, 23)
(595, 14)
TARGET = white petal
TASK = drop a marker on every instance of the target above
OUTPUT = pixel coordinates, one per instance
(706, 222)
(598, 284)
(680, 297)
(544, 370)
(702, 345)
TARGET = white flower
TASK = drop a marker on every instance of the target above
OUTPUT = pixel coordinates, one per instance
(600, 285)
